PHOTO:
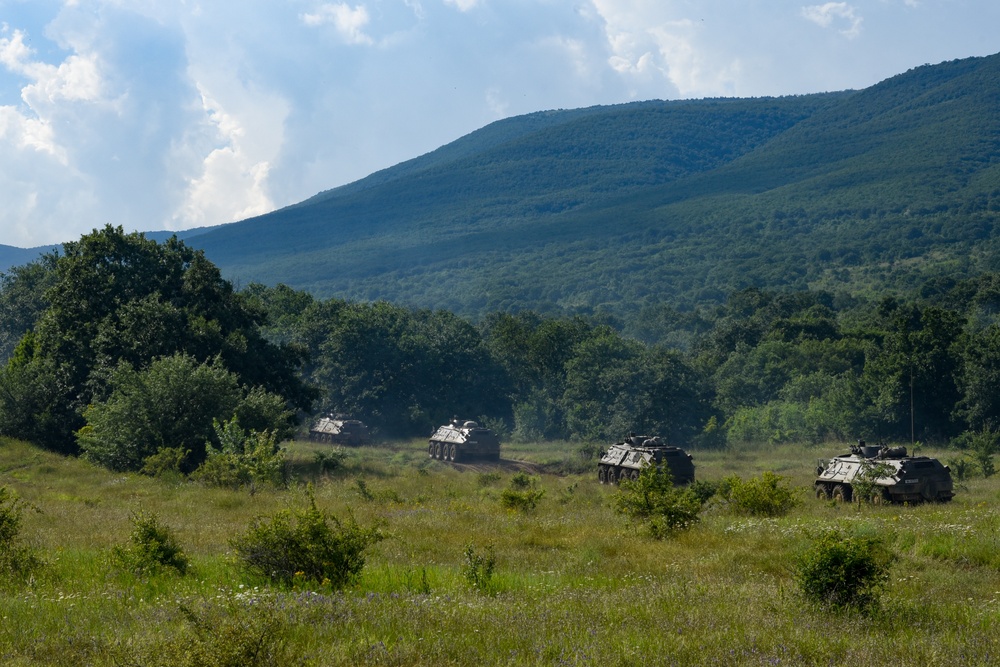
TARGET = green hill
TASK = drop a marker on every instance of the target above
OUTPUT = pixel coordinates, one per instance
(616, 208)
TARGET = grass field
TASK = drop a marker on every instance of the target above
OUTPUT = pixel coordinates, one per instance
(574, 582)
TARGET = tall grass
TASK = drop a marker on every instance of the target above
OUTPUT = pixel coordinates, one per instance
(573, 582)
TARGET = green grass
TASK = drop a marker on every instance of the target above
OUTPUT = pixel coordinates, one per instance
(574, 584)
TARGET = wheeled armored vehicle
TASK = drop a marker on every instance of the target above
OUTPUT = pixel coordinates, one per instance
(464, 440)
(625, 459)
(906, 479)
(340, 430)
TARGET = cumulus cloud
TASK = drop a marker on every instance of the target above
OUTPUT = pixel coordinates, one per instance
(348, 21)
(839, 15)
(462, 5)
(159, 115)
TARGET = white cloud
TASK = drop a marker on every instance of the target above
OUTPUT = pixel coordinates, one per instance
(155, 115)
(463, 5)
(348, 21)
(840, 15)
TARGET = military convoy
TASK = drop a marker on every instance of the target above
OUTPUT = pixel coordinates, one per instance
(625, 459)
(340, 430)
(905, 479)
(464, 440)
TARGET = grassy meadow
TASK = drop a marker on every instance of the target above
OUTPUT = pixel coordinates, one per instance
(574, 583)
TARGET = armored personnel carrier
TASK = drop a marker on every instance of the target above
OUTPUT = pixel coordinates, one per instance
(910, 479)
(340, 430)
(625, 459)
(463, 440)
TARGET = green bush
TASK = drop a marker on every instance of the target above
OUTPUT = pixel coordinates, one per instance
(152, 547)
(865, 484)
(248, 633)
(654, 500)
(479, 567)
(766, 495)
(294, 548)
(522, 494)
(16, 559)
(242, 459)
(840, 570)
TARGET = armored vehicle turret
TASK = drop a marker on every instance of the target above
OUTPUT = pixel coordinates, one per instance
(625, 459)
(340, 430)
(907, 479)
(464, 440)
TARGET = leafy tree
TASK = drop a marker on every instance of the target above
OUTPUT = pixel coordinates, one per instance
(916, 365)
(172, 404)
(979, 378)
(615, 385)
(119, 298)
(22, 300)
(407, 370)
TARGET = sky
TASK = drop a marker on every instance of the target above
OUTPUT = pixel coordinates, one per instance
(174, 114)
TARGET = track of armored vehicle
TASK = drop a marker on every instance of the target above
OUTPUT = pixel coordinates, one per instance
(624, 460)
(910, 479)
(464, 440)
(339, 430)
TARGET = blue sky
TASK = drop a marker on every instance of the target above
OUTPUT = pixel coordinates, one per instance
(158, 114)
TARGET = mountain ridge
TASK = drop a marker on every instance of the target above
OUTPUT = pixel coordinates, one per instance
(618, 208)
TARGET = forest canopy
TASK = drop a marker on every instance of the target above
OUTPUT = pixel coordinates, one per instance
(127, 348)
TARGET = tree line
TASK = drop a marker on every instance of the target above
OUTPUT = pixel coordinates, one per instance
(120, 348)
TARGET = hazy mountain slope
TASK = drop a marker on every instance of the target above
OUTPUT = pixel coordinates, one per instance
(431, 214)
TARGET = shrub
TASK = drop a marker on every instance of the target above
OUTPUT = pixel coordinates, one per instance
(242, 458)
(522, 494)
(152, 546)
(479, 567)
(841, 571)
(168, 462)
(16, 558)
(654, 500)
(984, 445)
(865, 484)
(248, 633)
(330, 460)
(303, 546)
(766, 495)
(488, 478)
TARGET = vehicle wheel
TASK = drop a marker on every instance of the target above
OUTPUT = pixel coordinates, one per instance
(453, 453)
(842, 493)
(602, 475)
(634, 475)
(881, 498)
(430, 450)
(821, 492)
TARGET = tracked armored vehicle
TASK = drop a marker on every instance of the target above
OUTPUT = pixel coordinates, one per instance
(909, 479)
(340, 430)
(463, 440)
(625, 459)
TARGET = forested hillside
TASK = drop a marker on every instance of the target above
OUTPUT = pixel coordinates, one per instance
(619, 209)
(128, 350)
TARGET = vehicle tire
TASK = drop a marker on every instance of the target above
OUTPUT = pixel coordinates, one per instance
(634, 475)
(430, 450)
(842, 493)
(881, 498)
(453, 453)
(602, 474)
(822, 492)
